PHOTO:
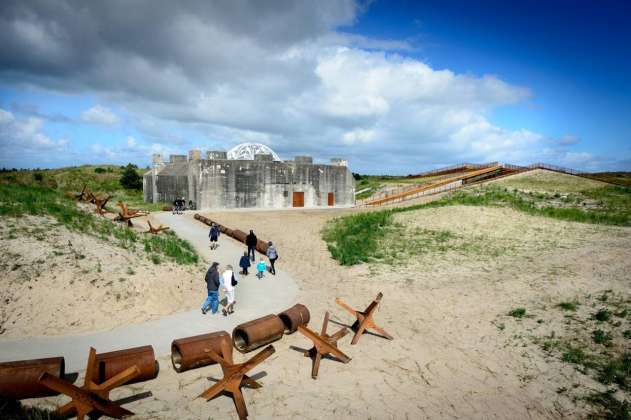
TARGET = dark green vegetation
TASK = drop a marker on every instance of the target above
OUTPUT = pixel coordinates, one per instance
(14, 410)
(517, 313)
(167, 243)
(19, 200)
(131, 179)
(619, 178)
(354, 239)
(596, 345)
(104, 179)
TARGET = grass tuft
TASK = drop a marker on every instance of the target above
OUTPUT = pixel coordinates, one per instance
(518, 313)
(568, 306)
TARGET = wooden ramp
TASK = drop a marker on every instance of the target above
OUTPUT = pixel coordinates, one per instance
(433, 185)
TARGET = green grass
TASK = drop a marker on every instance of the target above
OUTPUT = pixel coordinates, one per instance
(14, 410)
(354, 239)
(601, 337)
(610, 408)
(517, 313)
(568, 306)
(602, 315)
(169, 244)
(103, 179)
(617, 371)
(17, 201)
(620, 178)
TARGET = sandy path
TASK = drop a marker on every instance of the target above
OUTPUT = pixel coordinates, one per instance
(255, 298)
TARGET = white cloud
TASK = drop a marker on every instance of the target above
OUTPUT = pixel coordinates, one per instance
(280, 73)
(99, 115)
(24, 139)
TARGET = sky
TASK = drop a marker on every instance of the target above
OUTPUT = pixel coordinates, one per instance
(394, 87)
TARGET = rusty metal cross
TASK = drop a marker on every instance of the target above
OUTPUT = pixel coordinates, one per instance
(234, 376)
(364, 319)
(156, 230)
(91, 396)
(323, 344)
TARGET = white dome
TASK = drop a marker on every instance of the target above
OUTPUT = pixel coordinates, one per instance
(246, 151)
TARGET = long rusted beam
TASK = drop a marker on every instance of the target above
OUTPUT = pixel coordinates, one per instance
(19, 379)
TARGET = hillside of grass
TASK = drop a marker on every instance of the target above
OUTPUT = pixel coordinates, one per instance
(355, 239)
(100, 180)
(618, 178)
(17, 200)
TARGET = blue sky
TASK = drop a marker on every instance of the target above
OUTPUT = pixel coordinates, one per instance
(395, 87)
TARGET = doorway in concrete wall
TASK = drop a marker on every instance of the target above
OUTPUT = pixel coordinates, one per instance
(299, 199)
(331, 199)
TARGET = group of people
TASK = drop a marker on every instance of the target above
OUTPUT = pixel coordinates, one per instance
(227, 281)
(179, 205)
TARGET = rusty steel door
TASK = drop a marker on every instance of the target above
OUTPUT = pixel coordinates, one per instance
(299, 199)
(331, 199)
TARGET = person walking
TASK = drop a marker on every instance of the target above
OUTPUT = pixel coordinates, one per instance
(260, 269)
(212, 286)
(214, 236)
(228, 285)
(250, 241)
(272, 254)
(244, 263)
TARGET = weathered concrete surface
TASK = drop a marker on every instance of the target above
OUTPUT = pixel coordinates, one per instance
(217, 182)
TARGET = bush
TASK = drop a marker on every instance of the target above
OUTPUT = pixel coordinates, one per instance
(518, 313)
(130, 178)
(99, 170)
(38, 176)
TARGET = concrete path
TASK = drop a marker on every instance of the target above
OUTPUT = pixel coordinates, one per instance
(254, 298)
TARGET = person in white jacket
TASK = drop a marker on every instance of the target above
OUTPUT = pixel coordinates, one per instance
(228, 288)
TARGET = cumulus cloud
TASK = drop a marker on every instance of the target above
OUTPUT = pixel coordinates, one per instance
(281, 73)
(23, 139)
(99, 115)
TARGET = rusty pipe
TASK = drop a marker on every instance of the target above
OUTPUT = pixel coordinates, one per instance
(297, 315)
(261, 246)
(19, 379)
(112, 363)
(256, 333)
(239, 235)
(189, 353)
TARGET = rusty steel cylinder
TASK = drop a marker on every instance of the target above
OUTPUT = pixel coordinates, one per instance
(239, 235)
(297, 315)
(19, 380)
(112, 363)
(261, 246)
(189, 353)
(256, 333)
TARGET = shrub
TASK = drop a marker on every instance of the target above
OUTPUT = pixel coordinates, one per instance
(130, 179)
(99, 170)
(601, 337)
(38, 176)
(518, 313)
(568, 306)
(602, 315)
